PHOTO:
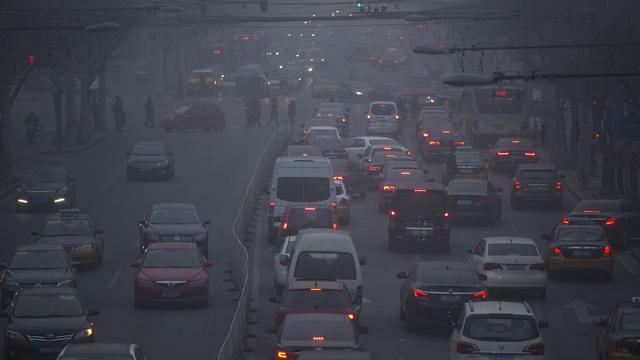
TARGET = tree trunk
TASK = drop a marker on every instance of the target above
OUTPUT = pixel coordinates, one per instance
(57, 109)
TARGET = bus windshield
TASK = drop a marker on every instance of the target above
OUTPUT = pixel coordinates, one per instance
(500, 101)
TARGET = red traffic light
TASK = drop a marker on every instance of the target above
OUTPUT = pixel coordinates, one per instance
(31, 59)
(217, 52)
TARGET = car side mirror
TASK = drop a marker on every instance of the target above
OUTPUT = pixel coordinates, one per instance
(600, 322)
(499, 189)
(207, 264)
(543, 324)
(206, 222)
(135, 264)
(93, 312)
(363, 330)
(362, 260)
(274, 300)
(545, 237)
(284, 259)
(35, 233)
(402, 275)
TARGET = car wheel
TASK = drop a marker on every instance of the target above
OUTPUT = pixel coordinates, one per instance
(412, 324)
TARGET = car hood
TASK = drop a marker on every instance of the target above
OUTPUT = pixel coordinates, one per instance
(38, 276)
(175, 229)
(170, 274)
(40, 186)
(58, 325)
(65, 240)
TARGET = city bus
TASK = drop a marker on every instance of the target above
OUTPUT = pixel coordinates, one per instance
(490, 112)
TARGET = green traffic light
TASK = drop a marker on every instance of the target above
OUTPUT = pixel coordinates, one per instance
(359, 4)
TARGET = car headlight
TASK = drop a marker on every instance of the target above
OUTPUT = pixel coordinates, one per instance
(359, 93)
(83, 334)
(198, 282)
(84, 248)
(152, 236)
(59, 200)
(65, 283)
(15, 335)
(201, 236)
(11, 285)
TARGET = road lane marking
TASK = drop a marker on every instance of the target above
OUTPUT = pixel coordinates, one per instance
(581, 310)
(114, 279)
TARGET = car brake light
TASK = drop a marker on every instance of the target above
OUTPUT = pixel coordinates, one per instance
(445, 214)
(565, 220)
(397, 117)
(492, 266)
(334, 226)
(315, 289)
(610, 221)
(529, 154)
(538, 266)
(420, 190)
(334, 204)
(434, 142)
(318, 338)
(557, 251)
(388, 188)
(425, 134)
(480, 295)
(405, 173)
(374, 168)
(285, 225)
(459, 143)
(446, 131)
(283, 354)
(463, 347)
(503, 153)
(420, 294)
(517, 185)
(558, 185)
(338, 177)
(515, 141)
(387, 148)
(606, 250)
(591, 211)
(535, 349)
(309, 209)
(351, 316)
(392, 213)
(272, 204)
(368, 116)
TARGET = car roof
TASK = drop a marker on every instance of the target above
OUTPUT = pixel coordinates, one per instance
(39, 247)
(48, 290)
(322, 284)
(369, 138)
(317, 239)
(172, 245)
(173, 206)
(319, 317)
(508, 240)
(100, 347)
(499, 307)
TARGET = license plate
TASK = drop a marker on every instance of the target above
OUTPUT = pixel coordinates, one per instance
(171, 294)
(450, 298)
(464, 202)
(581, 253)
(501, 357)
(50, 349)
(515, 267)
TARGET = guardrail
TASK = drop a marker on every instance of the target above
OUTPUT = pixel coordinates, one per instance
(233, 344)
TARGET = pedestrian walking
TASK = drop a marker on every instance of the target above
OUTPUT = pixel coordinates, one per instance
(291, 112)
(118, 113)
(274, 112)
(148, 109)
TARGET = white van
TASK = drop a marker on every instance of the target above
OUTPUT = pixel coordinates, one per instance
(328, 255)
(299, 180)
(383, 117)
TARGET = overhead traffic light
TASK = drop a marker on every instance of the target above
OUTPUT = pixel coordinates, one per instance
(360, 5)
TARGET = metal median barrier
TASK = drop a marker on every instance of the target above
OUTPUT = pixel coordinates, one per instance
(234, 343)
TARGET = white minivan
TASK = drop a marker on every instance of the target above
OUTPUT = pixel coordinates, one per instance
(383, 118)
(299, 180)
(325, 254)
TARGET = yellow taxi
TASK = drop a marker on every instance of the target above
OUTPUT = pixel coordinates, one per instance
(619, 334)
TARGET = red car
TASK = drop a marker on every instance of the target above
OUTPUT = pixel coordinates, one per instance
(195, 116)
(171, 272)
(311, 296)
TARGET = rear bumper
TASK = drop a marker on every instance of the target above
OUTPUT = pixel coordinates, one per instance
(562, 263)
(383, 128)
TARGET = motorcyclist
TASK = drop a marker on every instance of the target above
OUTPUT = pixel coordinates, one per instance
(450, 167)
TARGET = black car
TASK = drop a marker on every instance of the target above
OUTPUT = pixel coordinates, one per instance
(300, 217)
(435, 292)
(174, 222)
(394, 178)
(43, 320)
(102, 351)
(36, 265)
(316, 331)
(150, 159)
(46, 187)
(373, 168)
(303, 150)
(508, 153)
(348, 172)
(441, 140)
(78, 232)
(474, 199)
(620, 219)
(537, 183)
(419, 216)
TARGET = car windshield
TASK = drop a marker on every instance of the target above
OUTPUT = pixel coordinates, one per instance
(310, 217)
(500, 328)
(45, 175)
(383, 109)
(630, 321)
(441, 277)
(411, 203)
(319, 330)
(148, 149)
(467, 187)
(47, 305)
(39, 260)
(538, 175)
(510, 249)
(66, 227)
(325, 265)
(468, 157)
(96, 356)
(164, 258)
(316, 299)
(303, 189)
(598, 206)
(174, 216)
(576, 234)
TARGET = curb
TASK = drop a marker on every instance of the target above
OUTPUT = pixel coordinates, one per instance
(84, 147)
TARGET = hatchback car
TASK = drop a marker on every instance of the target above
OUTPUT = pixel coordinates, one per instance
(537, 183)
(489, 330)
(474, 199)
(150, 159)
(432, 292)
(439, 141)
(174, 222)
(509, 262)
(383, 117)
(300, 217)
(43, 320)
(464, 163)
(78, 232)
(357, 146)
(195, 116)
(579, 248)
(171, 272)
(508, 153)
(45, 187)
(36, 265)
(375, 164)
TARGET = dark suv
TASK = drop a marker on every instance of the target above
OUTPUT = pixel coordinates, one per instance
(418, 215)
(539, 183)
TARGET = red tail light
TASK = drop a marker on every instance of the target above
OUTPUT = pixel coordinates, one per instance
(517, 185)
(535, 349)
(480, 295)
(338, 177)
(606, 250)
(465, 348)
(492, 266)
(538, 266)
(420, 190)
(529, 154)
(610, 221)
(459, 143)
(351, 316)
(334, 226)
(374, 168)
(558, 185)
(334, 204)
(434, 142)
(392, 213)
(557, 251)
(503, 153)
(445, 214)
(420, 294)
(389, 188)
(565, 220)
(309, 209)
(285, 225)
(272, 204)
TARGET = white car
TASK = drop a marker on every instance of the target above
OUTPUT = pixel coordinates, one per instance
(497, 330)
(344, 203)
(356, 146)
(383, 117)
(510, 262)
(279, 270)
(323, 132)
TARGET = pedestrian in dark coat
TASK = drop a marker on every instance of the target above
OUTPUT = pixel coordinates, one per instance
(118, 113)
(148, 109)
